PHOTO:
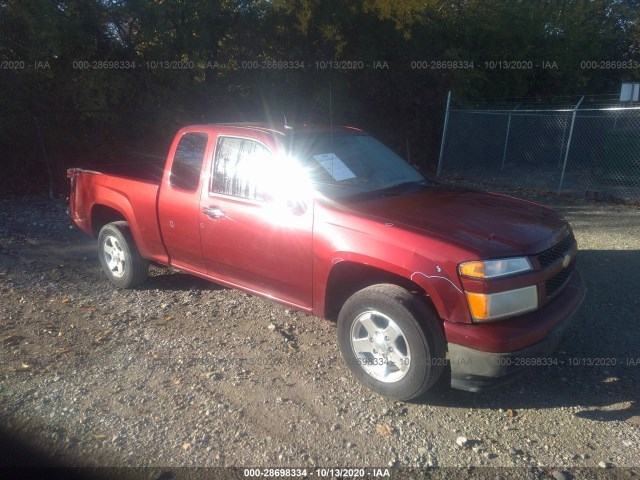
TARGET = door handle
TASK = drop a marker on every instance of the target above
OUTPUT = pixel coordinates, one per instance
(214, 213)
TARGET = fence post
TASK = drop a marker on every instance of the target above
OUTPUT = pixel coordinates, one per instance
(444, 134)
(564, 134)
(506, 139)
(566, 153)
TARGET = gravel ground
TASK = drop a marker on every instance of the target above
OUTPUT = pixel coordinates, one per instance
(182, 372)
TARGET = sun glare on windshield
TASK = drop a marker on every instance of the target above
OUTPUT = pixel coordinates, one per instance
(341, 164)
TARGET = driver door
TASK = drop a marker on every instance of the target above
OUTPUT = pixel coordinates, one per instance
(248, 239)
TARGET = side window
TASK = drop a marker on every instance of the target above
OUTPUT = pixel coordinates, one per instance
(239, 167)
(187, 162)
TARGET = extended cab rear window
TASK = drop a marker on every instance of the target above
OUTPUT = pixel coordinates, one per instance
(187, 161)
(239, 168)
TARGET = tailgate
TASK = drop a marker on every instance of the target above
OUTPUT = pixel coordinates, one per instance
(72, 175)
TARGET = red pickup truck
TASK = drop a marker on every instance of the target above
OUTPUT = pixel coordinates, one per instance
(419, 276)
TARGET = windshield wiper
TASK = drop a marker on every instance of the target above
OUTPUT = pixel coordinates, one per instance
(402, 187)
(396, 189)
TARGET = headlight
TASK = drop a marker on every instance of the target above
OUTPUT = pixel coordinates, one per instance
(492, 306)
(494, 268)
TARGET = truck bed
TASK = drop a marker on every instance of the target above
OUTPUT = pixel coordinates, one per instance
(149, 171)
(126, 189)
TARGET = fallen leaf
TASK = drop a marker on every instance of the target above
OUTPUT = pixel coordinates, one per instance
(66, 300)
(30, 392)
(186, 446)
(511, 413)
(168, 318)
(103, 336)
(24, 368)
(99, 437)
(12, 340)
(384, 429)
(176, 381)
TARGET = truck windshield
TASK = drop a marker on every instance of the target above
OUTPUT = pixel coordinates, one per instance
(344, 164)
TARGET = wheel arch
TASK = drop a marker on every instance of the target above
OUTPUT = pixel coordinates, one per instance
(347, 278)
(102, 214)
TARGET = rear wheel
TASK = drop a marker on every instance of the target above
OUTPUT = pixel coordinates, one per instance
(119, 256)
(391, 341)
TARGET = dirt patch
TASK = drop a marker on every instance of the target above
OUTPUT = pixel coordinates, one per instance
(182, 372)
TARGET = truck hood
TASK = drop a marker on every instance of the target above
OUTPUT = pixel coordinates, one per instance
(491, 224)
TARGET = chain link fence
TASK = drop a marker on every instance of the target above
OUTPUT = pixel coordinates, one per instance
(583, 149)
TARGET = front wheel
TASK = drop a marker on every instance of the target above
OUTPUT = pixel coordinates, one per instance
(119, 256)
(391, 341)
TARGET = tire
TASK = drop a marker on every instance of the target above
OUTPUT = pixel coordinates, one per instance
(392, 342)
(119, 256)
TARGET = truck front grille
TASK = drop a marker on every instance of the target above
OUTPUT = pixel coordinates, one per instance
(555, 253)
(555, 283)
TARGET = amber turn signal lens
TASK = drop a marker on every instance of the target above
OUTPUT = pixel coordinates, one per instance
(478, 305)
(494, 268)
(472, 269)
(492, 306)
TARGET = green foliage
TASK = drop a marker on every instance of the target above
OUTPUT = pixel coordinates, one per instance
(89, 114)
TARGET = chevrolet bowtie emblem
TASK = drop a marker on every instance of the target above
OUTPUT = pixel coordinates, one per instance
(566, 260)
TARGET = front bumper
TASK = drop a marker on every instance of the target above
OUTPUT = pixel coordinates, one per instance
(473, 369)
